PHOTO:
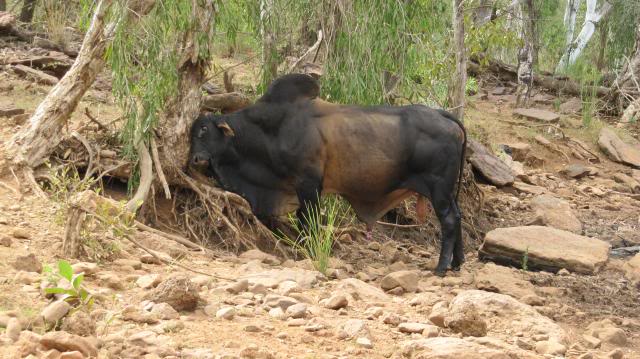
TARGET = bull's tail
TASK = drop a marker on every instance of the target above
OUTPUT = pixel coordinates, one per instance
(453, 118)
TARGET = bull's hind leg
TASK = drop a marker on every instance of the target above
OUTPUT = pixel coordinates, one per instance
(308, 191)
(458, 248)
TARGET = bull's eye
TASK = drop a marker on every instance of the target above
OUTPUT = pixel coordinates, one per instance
(202, 131)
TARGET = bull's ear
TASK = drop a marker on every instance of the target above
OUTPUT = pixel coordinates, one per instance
(226, 129)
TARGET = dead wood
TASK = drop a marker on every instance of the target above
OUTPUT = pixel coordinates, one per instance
(225, 102)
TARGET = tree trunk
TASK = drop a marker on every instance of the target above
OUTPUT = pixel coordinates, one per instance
(3, 5)
(185, 108)
(35, 142)
(269, 55)
(604, 35)
(28, 8)
(574, 50)
(570, 13)
(526, 58)
(483, 12)
(532, 29)
(457, 90)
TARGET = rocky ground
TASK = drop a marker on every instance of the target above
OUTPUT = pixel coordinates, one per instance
(566, 294)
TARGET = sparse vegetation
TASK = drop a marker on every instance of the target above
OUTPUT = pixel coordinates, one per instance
(68, 286)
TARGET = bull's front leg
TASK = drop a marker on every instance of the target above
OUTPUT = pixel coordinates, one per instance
(308, 191)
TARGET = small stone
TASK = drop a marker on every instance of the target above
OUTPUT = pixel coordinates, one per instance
(408, 280)
(336, 301)
(143, 338)
(550, 347)
(282, 335)
(374, 246)
(55, 311)
(396, 291)
(431, 331)
(164, 311)
(468, 323)
(65, 342)
(296, 322)
(297, 310)
(238, 287)
(87, 268)
(177, 291)
(20, 233)
(227, 313)
(533, 300)
(392, 319)
(148, 281)
(80, 323)
(438, 313)
(287, 287)
(274, 300)
(13, 329)
(613, 335)
(277, 313)
(28, 263)
(258, 288)
(5, 241)
(616, 354)
(149, 259)
(364, 342)
(412, 327)
(591, 342)
(252, 329)
(26, 277)
(256, 254)
(352, 328)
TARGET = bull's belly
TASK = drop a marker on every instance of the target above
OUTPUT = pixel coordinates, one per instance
(369, 210)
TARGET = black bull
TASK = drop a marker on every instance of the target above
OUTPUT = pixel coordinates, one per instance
(289, 147)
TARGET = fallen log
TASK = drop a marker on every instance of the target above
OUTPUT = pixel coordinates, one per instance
(56, 62)
(37, 75)
(556, 84)
(225, 102)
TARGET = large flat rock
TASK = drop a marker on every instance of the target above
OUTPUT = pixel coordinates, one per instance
(456, 348)
(546, 248)
(537, 114)
(618, 150)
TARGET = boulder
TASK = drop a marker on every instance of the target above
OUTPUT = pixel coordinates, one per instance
(518, 150)
(545, 248)
(607, 332)
(632, 269)
(493, 169)
(618, 150)
(577, 171)
(28, 263)
(502, 314)
(177, 291)
(571, 107)
(335, 302)
(537, 115)
(407, 280)
(555, 212)
(505, 280)
(449, 348)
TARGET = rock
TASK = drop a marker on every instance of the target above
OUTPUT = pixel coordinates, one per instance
(144, 338)
(450, 348)
(263, 257)
(607, 332)
(518, 150)
(502, 314)
(532, 300)
(238, 286)
(411, 328)
(66, 342)
(494, 170)
(352, 328)
(227, 313)
(528, 188)
(71, 355)
(495, 278)
(438, 313)
(632, 269)
(23, 277)
(10, 111)
(150, 259)
(55, 311)
(547, 347)
(177, 291)
(133, 314)
(148, 281)
(297, 310)
(87, 268)
(287, 287)
(499, 91)
(364, 342)
(571, 107)
(335, 302)
(79, 323)
(5, 241)
(616, 354)
(618, 150)
(576, 171)
(431, 331)
(272, 278)
(468, 323)
(283, 302)
(591, 342)
(164, 311)
(111, 280)
(547, 248)
(629, 182)
(34, 74)
(537, 114)
(28, 263)
(123, 263)
(408, 280)
(392, 319)
(555, 212)
(362, 291)
(277, 313)
(13, 329)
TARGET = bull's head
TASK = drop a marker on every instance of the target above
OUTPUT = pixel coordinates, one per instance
(210, 143)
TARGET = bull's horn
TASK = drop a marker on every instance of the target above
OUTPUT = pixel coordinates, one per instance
(226, 129)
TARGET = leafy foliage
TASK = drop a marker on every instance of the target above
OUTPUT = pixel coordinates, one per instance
(74, 293)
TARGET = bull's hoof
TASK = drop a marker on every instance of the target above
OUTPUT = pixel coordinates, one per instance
(456, 269)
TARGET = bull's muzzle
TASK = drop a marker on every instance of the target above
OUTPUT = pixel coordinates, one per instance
(199, 160)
